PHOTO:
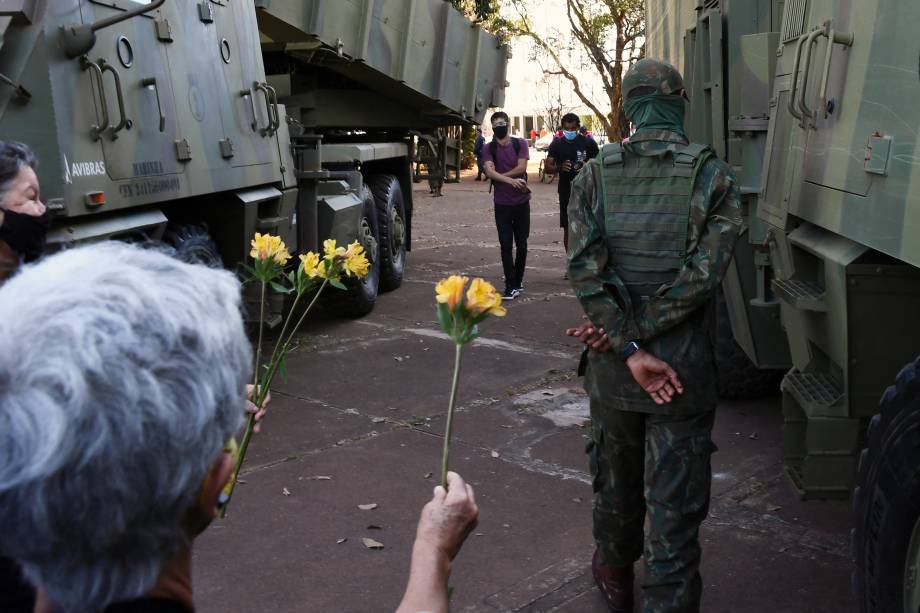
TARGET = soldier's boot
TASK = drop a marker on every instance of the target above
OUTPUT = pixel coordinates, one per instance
(616, 584)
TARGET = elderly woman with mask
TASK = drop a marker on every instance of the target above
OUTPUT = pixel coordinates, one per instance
(24, 219)
(119, 390)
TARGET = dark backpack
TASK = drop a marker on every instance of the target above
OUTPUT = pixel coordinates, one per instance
(493, 149)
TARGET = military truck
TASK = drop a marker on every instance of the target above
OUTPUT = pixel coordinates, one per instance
(814, 103)
(203, 122)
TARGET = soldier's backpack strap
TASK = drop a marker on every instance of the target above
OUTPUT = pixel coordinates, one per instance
(612, 154)
(692, 157)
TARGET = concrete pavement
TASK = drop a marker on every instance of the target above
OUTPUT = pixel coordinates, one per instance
(360, 420)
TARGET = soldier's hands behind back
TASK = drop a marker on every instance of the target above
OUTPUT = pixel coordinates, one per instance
(655, 376)
(593, 337)
(449, 517)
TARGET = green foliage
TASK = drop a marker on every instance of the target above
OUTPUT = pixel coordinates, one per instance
(468, 143)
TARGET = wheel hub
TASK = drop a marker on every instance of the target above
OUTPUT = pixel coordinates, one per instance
(368, 240)
(912, 571)
(399, 233)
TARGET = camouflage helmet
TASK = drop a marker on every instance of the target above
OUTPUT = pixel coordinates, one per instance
(653, 77)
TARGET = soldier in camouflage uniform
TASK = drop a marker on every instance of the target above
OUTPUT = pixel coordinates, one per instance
(652, 222)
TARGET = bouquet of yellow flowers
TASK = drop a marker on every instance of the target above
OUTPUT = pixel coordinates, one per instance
(315, 272)
(460, 311)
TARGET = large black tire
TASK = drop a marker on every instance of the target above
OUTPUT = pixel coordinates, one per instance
(739, 378)
(886, 502)
(391, 221)
(359, 299)
(193, 245)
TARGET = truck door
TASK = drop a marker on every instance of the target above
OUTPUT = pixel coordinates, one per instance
(250, 111)
(136, 117)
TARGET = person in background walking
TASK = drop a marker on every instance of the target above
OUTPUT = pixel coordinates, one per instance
(567, 156)
(505, 160)
(477, 150)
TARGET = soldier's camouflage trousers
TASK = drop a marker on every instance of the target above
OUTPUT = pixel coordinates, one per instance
(649, 463)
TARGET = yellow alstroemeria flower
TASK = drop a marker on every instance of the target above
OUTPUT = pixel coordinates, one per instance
(266, 246)
(356, 263)
(331, 251)
(449, 291)
(482, 297)
(313, 265)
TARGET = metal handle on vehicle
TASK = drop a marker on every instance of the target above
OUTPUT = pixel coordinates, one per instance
(833, 37)
(262, 87)
(87, 64)
(276, 117)
(795, 77)
(247, 93)
(153, 81)
(77, 39)
(119, 96)
(807, 113)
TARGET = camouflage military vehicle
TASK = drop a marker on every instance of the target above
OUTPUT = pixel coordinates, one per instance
(814, 102)
(202, 122)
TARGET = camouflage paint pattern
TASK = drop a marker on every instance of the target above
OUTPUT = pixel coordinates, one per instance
(656, 74)
(655, 466)
(425, 52)
(834, 215)
(173, 108)
(674, 323)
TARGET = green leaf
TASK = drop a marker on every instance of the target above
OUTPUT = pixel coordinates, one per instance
(337, 284)
(444, 317)
(280, 288)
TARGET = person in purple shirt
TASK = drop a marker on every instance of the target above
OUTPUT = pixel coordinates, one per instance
(505, 159)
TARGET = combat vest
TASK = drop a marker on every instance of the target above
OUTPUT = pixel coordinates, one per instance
(647, 212)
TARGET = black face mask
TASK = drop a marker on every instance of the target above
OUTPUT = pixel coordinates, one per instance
(500, 132)
(25, 234)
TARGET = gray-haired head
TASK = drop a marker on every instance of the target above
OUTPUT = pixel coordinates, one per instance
(122, 375)
(13, 158)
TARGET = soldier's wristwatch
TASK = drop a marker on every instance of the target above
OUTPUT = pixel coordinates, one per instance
(631, 348)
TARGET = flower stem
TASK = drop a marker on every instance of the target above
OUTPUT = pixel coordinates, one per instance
(255, 375)
(445, 458)
(274, 365)
(262, 392)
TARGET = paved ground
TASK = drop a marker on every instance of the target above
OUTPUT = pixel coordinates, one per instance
(360, 420)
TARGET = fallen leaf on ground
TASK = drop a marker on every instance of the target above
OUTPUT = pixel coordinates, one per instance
(378, 420)
(351, 411)
(368, 507)
(322, 478)
(340, 541)
(397, 358)
(428, 475)
(285, 491)
(494, 454)
(372, 544)
(375, 527)
(773, 507)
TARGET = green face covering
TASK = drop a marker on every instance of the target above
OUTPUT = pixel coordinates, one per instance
(656, 112)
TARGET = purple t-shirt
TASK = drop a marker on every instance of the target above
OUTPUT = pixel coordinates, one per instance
(507, 160)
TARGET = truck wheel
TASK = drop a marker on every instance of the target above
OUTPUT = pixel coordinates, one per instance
(738, 377)
(886, 503)
(391, 215)
(193, 245)
(358, 300)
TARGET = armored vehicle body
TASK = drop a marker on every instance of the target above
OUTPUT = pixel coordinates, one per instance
(202, 122)
(814, 103)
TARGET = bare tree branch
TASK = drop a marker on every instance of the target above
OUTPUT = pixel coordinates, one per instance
(606, 31)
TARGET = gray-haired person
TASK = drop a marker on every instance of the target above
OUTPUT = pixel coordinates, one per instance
(122, 377)
(24, 220)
